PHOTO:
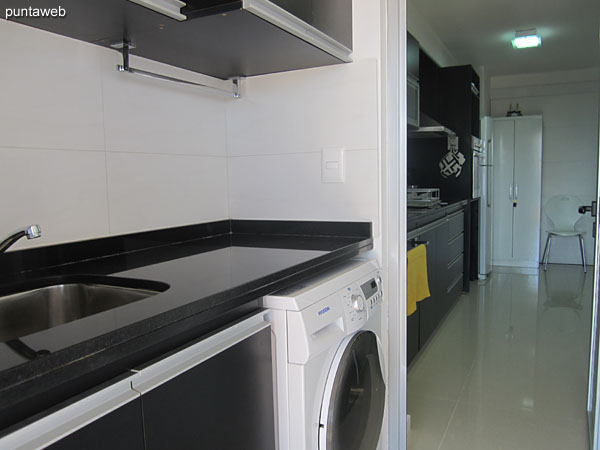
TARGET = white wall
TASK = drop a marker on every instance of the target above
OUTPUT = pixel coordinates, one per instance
(429, 41)
(87, 152)
(278, 130)
(568, 102)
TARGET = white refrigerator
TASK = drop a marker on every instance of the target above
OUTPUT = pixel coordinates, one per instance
(485, 209)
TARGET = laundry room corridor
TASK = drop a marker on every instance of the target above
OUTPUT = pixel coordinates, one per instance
(507, 369)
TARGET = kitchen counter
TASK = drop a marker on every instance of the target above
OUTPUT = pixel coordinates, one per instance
(216, 273)
(418, 217)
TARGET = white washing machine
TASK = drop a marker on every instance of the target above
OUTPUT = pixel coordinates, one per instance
(330, 384)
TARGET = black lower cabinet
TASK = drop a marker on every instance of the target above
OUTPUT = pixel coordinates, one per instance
(225, 402)
(412, 336)
(428, 316)
(120, 429)
(443, 302)
(467, 251)
(445, 240)
(214, 393)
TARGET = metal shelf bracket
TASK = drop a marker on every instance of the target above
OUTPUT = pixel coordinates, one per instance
(124, 46)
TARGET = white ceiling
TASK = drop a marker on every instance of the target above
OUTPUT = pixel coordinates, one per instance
(478, 32)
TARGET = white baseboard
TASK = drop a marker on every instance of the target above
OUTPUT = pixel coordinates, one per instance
(515, 263)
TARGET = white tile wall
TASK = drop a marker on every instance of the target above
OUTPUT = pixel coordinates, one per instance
(289, 186)
(51, 95)
(152, 116)
(568, 102)
(303, 111)
(62, 190)
(147, 191)
(143, 154)
(276, 135)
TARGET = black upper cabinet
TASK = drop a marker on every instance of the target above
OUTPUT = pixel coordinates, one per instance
(225, 39)
(430, 89)
(459, 105)
(412, 56)
(333, 17)
(412, 81)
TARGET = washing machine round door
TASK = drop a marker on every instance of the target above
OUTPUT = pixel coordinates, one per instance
(354, 401)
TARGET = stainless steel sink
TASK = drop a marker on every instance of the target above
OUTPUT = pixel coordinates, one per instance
(41, 304)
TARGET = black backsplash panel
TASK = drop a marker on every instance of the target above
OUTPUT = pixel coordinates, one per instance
(423, 157)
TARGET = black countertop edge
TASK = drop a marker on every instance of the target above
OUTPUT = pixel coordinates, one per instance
(14, 262)
(418, 218)
(31, 388)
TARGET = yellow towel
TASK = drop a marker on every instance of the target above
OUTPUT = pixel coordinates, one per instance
(417, 285)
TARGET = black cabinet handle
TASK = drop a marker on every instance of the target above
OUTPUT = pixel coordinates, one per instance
(419, 242)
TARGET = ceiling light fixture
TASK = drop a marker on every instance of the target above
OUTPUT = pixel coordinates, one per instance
(526, 39)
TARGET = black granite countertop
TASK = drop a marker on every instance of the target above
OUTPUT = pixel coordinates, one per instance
(216, 273)
(418, 217)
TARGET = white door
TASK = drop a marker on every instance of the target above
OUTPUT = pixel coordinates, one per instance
(527, 191)
(504, 154)
(593, 405)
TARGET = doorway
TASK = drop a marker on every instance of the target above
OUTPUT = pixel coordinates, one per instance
(514, 352)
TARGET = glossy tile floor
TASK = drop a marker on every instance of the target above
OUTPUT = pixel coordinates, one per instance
(507, 368)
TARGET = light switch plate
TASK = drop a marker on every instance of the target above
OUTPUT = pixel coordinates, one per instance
(332, 165)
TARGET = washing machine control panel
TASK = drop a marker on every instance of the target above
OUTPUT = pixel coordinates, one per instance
(355, 311)
(359, 299)
(358, 303)
(376, 297)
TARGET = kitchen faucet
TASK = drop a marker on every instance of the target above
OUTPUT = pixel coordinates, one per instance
(31, 232)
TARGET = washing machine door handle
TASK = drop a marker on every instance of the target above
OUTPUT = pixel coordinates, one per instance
(354, 397)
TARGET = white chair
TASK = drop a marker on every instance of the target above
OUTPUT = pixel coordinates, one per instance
(562, 210)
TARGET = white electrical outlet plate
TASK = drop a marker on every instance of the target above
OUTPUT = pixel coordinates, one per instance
(332, 165)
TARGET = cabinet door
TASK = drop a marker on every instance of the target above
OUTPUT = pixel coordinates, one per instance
(412, 336)
(119, 430)
(504, 160)
(455, 248)
(109, 418)
(412, 56)
(528, 191)
(412, 101)
(332, 17)
(428, 77)
(456, 102)
(215, 394)
(441, 269)
(428, 308)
